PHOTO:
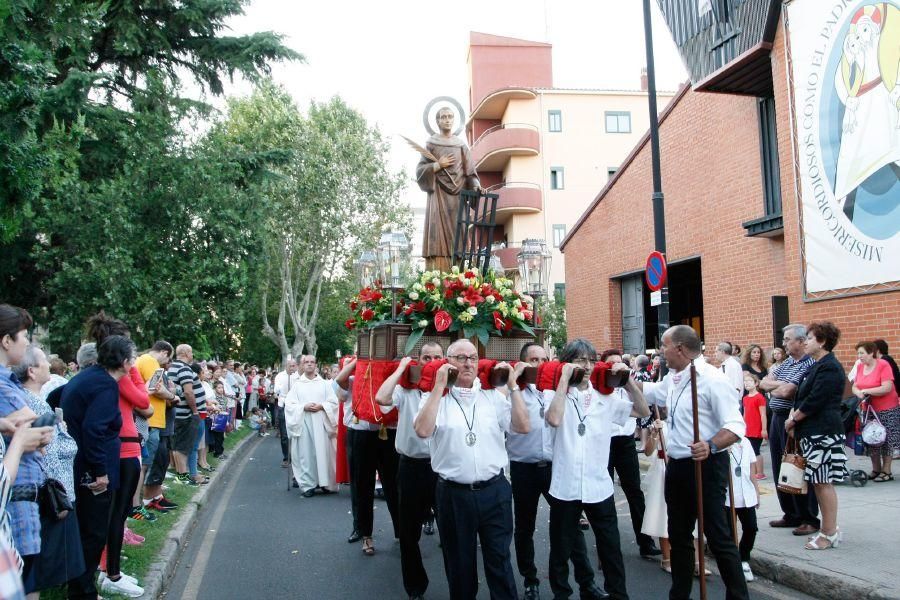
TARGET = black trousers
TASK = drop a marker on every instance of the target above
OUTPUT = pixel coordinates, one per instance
(282, 431)
(564, 531)
(798, 509)
(747, 517)
(530, 481)
(351, 465)
(415, 487)
(129, 476)
(623, 460)
(217, 445)
(681, 502)
(466, 517)
(93, 523)
(372, 454)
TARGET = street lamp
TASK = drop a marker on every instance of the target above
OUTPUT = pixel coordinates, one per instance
(365, 267)
(393, 257)
(534, 268)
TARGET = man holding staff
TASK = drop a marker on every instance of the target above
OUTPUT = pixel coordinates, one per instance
(465, 431)
(720, 426)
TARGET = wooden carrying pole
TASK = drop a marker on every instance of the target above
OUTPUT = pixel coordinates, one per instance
(698, 479)
(731, 498)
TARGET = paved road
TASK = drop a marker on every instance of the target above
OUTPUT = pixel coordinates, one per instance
(257, 540)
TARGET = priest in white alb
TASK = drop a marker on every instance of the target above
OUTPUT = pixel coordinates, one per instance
(311, 415)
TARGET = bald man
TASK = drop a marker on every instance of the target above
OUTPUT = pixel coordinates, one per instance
(191, 400)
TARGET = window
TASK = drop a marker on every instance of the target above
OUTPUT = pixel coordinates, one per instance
(559, 291)
(618, 122)
(557, 178)
(554, 120)
(559, 234)
(610, 171)
(768, 153)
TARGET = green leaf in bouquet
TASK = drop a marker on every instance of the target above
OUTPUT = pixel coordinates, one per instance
(469, 332)
(526, 327)
(484, 335)
(413, 339)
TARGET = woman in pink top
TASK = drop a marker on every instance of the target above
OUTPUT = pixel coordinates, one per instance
(874, 384)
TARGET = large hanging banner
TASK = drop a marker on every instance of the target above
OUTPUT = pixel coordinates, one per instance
(845, 57)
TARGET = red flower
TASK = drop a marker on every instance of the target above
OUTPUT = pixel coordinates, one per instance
(419, 306)
(498, 321)
(376, 296)
(456, 284)
(472, 296)
(526, 314)
(442, 320)
(507, 325)
(448, 293)
(367, 314)
(486, 289)
(349, 323)
(429, 287)
(469, 275)
(497, 296)
(354, 305)
(408, 310)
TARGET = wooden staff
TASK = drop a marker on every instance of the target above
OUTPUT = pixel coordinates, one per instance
(731, 497)
(698, 478)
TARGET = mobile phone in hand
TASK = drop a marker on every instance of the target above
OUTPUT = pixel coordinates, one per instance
(45, 420)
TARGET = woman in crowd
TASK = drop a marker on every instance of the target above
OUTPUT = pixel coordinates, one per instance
(777, 358)
(754, 361)
(655, 371)
(60, 558)
(203, 440)
(23, 506)
(874, 384)
(816, 422)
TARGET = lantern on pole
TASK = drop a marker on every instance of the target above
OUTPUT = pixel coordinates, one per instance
(366, 268)
(393, 258)
(534, 269)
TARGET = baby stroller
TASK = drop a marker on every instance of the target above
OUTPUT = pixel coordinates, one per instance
(850, 416)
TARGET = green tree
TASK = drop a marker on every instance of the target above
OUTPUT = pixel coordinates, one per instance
(554, 317)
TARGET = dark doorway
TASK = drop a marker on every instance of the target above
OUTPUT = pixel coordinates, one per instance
(685, 301)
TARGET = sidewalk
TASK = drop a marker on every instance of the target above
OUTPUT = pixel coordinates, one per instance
(864, 567)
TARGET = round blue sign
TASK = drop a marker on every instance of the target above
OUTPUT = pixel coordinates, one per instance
(656, 271)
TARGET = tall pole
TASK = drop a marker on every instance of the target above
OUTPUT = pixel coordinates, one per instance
(659, 216)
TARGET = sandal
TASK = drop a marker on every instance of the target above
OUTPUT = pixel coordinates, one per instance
(830, 541)
(666, 565)
(706, 571)
(368, 546)
(873, 475)
(883, 477)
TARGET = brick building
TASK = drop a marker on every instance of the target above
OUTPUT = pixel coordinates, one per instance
(738, 257)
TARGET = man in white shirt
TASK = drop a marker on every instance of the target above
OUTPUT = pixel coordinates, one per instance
(415, 479)
(624, 461)
(310, 412)
(721, 425)
(583, 418)
(282, 386)
(530, 469)
(465, 432)
(731, 367)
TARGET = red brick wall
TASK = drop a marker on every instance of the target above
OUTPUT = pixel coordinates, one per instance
(712, 183)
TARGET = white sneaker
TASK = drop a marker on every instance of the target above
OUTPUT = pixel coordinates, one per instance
(748, 573)
(122, 586)
(125, 576)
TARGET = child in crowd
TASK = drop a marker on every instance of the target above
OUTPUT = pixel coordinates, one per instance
(755, 418)
(656, 522)
(257, 422)
(745, 489)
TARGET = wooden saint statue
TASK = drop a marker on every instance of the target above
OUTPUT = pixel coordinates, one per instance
(443, 175)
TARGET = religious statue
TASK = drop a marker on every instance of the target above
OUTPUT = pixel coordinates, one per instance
(446, 168)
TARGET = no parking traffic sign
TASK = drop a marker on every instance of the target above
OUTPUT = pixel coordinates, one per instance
(656, 272)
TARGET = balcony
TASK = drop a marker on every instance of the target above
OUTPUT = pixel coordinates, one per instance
(494, 104)
(508, 258)
(493, 149)
(517, 197)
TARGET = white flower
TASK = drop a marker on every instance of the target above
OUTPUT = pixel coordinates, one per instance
(506, 293)
(460, 301)
(514, 314)
(454, 269)
(528, 299)
(418, 287)
(472, 310)
(435, 297)
(414, 295)
(423, 323)
(489, 299)
(518, 302)
(436, 281)
(503, 308)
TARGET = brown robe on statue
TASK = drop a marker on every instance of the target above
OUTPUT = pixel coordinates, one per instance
(443, 190)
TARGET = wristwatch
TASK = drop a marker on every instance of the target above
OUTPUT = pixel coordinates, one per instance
(513, 389)
(712, 446)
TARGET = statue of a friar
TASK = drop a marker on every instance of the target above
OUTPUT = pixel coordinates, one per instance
(444, 174)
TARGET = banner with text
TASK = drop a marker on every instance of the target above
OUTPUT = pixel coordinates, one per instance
(845, 56)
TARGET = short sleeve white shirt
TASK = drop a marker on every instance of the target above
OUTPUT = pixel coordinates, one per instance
(489, 414)
(536, 445)
(741, 458)
(580, 461)
(408, 443)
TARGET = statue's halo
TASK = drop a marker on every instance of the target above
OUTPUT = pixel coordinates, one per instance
(436, 104)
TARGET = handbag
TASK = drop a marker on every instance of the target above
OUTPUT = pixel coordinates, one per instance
(873, 433)
(53, 501)
(793, 465)
(219, 423)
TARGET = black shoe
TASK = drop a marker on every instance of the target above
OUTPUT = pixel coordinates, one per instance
(428, 529)
(532, 592)
(324, 490)
(593, 593)
(354, 537)
(309, 493)
(417, 597)
(650, 552)
(294, 483)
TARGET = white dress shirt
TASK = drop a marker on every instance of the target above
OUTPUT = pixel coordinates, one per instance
(408, 443)
(717, 408)
(630, 423)
(735, 374)
(282, 386)
(580, 461)
(536, 445)
(741, 455)
(451, 457)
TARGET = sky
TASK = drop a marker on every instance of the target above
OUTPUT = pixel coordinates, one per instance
(388, 59)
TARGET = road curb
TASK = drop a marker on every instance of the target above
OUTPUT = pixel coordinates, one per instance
(164, 565)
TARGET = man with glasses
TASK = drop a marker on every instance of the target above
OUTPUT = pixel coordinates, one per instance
(800, 511)
(465, 431)
(415, 479)
(583, 419)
